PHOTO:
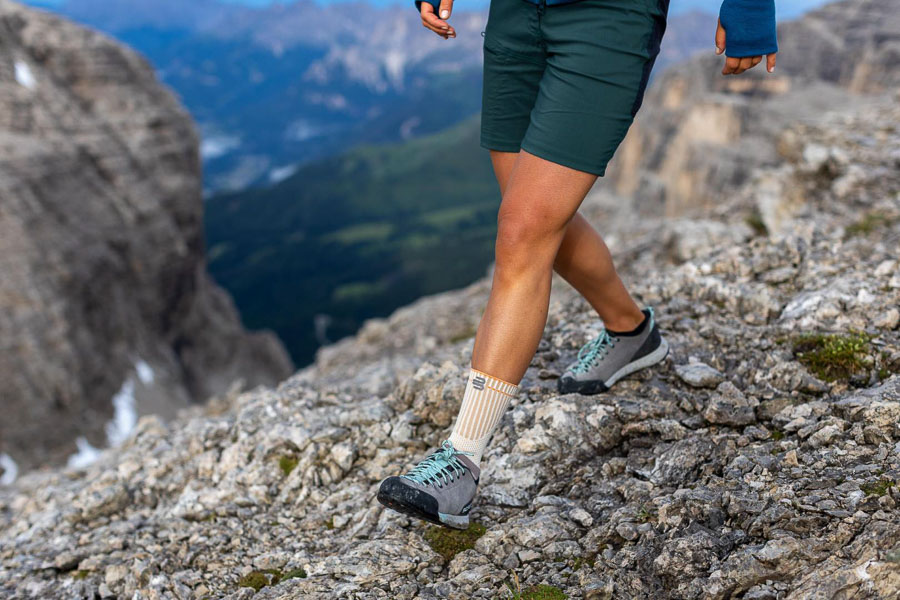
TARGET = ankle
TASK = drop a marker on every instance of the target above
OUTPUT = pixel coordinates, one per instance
(623, 323)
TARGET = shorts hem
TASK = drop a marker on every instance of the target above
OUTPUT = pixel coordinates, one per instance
(547, 154)
(499, 146)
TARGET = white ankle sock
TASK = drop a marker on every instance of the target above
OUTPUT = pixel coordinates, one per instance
(484, 403)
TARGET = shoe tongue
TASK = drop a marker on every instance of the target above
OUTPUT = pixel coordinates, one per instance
(469, 465)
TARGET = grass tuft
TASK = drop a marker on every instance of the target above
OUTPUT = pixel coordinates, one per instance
(878, 488)
(869, 223)
(260, 579)
(287, 464)
(450, 542)
(294, 574)
(755, 221)
(832, 357)
(254, 579)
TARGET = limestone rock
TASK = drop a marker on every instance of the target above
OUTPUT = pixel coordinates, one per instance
(104, 288)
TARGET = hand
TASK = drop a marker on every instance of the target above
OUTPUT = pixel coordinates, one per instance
(432, 22)
(735, 65)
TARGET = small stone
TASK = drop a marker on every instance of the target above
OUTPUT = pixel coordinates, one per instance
(528, 555)
(888, 319)
(582, 517)
(790, 458)
(729, 406)
(115, 573)
(699, 375)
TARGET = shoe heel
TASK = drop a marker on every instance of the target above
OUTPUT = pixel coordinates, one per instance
(454, 521)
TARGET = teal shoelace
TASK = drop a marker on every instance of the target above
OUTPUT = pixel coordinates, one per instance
(594, 351)
(439, 468)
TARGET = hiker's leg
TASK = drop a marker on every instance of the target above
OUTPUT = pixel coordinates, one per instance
(539, 199)
(585, 262)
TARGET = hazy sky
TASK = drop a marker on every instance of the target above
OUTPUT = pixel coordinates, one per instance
(786, 8)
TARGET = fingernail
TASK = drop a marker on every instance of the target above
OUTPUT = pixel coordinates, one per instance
(771, 69)
(445, 13)
(718, 50)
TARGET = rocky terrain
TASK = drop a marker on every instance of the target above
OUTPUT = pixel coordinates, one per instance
(760, 461)
(103, 285)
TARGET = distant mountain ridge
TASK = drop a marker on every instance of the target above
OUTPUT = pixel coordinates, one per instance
(277, 87)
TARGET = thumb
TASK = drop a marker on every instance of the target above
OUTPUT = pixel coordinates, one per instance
(720, 38)
(770, 63)
(446, 9)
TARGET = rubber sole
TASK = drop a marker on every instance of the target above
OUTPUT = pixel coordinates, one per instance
(597, 386)
(438, 518)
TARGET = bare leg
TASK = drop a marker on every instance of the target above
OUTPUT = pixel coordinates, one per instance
(540, 198)
(585, 262)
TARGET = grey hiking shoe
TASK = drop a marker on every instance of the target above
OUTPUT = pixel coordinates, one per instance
(609, 357)
(439, 489)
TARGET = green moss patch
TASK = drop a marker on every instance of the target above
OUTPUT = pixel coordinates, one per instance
(450, 542)
(755, 221)
(878, 488)
(832, 357)
(255, 579)
(294, 574)
(287, 464)
(869, 223)
(260, 579)
(540, 592)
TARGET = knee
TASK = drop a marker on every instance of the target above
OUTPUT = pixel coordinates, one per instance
(524, 241)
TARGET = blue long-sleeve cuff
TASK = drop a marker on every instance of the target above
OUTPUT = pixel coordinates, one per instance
(435, 3)
(749, 27)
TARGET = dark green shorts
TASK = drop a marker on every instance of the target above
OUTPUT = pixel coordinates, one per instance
(565, 81)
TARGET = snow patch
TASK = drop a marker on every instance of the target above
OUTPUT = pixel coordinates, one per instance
(24, 75)
(302, 130)
(85, 455)
(217, 146)
(10, 469)
(124, 420)
(124, 414)
(407, 127)
(861, 571)
(144, 372)
(279, 174)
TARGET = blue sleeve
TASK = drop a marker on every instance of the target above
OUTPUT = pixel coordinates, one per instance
(749, 27)
(435, 3)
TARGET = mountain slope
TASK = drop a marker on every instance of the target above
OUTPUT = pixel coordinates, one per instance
(104, 292)
(357, 235)
(754, 464)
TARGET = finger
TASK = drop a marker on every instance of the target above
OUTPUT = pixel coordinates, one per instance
(743, 65)
(731, 64)
(770, 63)
(720, 38)
(430, 20)
(756, 61)
(441, 32)
(446, 8)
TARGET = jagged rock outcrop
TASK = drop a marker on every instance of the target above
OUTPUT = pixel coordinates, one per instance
(700, 134)
(103, 285)
(759, 462)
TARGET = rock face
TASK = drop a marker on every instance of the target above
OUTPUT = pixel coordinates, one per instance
(103, 285)
(777, 477)
(699, 135)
